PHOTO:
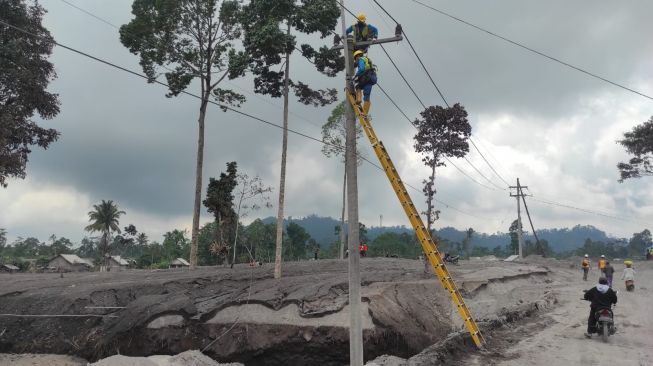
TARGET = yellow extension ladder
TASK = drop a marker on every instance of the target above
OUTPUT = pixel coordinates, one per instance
(428, 245)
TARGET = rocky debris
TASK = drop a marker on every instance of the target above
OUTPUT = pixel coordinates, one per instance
(28, 359)
(246, 315)
(188, 358)
(386, 360)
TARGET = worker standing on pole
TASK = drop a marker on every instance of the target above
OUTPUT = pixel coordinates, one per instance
(364, 78)
(362, 32)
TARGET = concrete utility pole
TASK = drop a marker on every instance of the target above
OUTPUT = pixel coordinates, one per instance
(355, 318)
(351, 166)
(520, 234)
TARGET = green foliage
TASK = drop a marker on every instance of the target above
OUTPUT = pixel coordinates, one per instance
(25, 75)
(175, 245)
(334, 134)
(267, 44)
(393, 244)
(3, 239)
(514, 238)
(638, 142)
(220, 202)
(260, 239)
(296, 242)
(597, 248)
(191, 38)
(104, 219)
(441, 132)
(639, 242)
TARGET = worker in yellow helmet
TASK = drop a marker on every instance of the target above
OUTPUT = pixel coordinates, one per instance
(364, 78)
(363, 31)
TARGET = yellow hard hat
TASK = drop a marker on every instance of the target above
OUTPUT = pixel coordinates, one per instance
(361, 17)
(358, 53)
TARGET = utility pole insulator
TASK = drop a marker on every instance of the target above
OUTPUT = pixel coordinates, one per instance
(398, 30)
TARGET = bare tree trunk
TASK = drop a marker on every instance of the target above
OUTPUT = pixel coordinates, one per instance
(236, 236)
(282, 179)
(429, 213)
(342, 218)
(198, 181)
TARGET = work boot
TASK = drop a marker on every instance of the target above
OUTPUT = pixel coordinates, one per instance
(366, 107)
(587, 335)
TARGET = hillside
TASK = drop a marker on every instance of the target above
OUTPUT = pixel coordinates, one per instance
(322, 229)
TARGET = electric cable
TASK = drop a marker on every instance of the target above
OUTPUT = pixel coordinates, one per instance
(225, 107)
(540, 53)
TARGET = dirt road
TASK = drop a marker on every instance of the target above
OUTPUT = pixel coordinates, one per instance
(562, 342)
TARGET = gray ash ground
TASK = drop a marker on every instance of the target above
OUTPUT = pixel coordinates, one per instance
(245, 315)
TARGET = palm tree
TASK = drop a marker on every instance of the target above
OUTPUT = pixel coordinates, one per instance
(104, 219)
(142, 239)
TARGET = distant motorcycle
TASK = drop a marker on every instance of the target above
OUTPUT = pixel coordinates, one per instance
(630, 285)
(451, 259)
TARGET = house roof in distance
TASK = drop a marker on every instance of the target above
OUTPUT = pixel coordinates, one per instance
(74, 259)
(120, 260)
(180, 261)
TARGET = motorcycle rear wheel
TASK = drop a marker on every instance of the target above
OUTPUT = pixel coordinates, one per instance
(605, 332)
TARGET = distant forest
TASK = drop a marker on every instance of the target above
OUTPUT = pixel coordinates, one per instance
(322, 229)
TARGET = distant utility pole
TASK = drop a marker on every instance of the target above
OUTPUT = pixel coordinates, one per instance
(519, 195)
(351, 167)
(380, 220)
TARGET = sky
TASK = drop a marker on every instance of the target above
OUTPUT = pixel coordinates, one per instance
(552, 127)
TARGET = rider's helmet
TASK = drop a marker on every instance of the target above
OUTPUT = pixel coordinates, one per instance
(603, 281)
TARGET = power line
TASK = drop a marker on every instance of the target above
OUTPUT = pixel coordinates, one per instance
(416, 54)
(403, 77)
(418, 98)
(467, 175)
(537, 240)
(91, 14)
(533, 50)
(587, 211)
(481, 174)
(214, 103)
(487, 162)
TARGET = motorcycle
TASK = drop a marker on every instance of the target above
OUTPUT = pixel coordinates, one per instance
(630, 285)
(604, 323)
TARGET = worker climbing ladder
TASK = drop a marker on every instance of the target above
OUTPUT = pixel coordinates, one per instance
(428, 245)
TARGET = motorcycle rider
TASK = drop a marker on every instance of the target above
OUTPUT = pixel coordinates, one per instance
(601, 296)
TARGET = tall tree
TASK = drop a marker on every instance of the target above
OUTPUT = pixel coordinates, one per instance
(514, 237)
(297, 241)
(3, 239)
(333, 136)
(638, 142)
(269, 46)
(441, 132)
(175, 244)
(192, 39)
(251, 195)
(467, 240)
(105, 218)
(26, 73)
(220, 202)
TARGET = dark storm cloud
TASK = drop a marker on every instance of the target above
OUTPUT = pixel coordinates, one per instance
(123, 140)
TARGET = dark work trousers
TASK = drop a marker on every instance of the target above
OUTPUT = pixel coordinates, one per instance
(585, 270)
(591, 322)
